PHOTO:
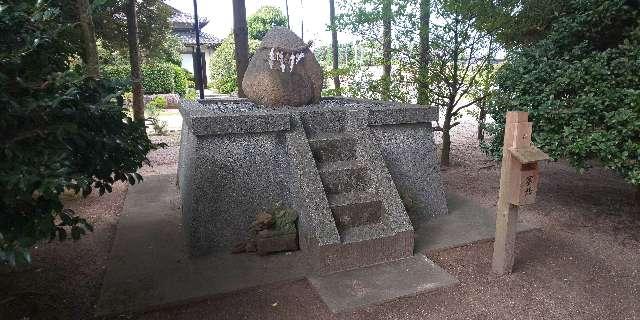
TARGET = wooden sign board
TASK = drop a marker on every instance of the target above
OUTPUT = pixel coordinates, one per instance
(524, 184)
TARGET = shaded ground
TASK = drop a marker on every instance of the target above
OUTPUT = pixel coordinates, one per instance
(583, 264)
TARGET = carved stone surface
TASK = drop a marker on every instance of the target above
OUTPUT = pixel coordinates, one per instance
(283, 72)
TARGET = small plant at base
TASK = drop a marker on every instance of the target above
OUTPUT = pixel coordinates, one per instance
(153, 108)
(284, 219)
(191, 94)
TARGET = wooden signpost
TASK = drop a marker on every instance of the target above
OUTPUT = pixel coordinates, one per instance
(518, 186)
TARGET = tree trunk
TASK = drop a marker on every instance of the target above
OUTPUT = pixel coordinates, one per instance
(334, 47)
(134, 59)
(446, 144)
(387, 16)
(482, 117)
(241, 38)
(423, 72)
(89, 47)
(454, 87)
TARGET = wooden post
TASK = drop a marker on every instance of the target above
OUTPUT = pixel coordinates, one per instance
(507, 215)
(518, 186)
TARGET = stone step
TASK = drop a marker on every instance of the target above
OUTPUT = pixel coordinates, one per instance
(380, 283)
(344, 176)
(354, 209)
(362, 246)
(333, 147)
(364, 233)
(322, 122)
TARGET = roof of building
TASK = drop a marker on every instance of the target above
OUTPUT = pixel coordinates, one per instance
(183, 20)
(183, 27)
(188, 37)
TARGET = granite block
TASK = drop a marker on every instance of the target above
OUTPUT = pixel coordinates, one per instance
(410, 154)
(238, 158)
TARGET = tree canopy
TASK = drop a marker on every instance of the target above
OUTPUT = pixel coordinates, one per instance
(154, 28)
(513, 22)
(263, 20)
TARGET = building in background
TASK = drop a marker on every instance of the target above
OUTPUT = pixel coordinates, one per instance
(183, 27)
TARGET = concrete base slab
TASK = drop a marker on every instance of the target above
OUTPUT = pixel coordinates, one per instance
(353, 289)
(466, 223)
(150, 266)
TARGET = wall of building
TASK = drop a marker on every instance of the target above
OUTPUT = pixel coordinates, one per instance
(187, 59)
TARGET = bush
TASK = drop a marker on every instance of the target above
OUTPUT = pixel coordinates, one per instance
(581, 85)
(158, 78)
(119, 75)
(191, 94)
(60, 131)
(223, 65)
(180, 79)
(153, 110)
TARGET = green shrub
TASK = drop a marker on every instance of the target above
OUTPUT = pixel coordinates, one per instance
(157, 103)
(223, 65)
(60, 131)
(191, 94)
(158, 78)
(153, 110)
(180, 79)
(581, 86)
(119, 75)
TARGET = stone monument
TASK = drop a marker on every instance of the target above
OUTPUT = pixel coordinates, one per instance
(283, 71)
(361, 175)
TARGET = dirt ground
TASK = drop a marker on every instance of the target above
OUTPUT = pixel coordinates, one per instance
(583, 264)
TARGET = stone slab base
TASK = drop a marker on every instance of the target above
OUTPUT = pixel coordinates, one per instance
(150, 267)
(353, 289)
(466, 223)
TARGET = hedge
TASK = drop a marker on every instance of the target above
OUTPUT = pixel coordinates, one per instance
(180, 80)
(156, 78)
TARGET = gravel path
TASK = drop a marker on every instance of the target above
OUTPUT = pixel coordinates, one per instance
(583, 264)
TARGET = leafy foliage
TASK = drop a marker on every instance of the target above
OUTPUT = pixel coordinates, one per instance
(459, 56)
(581, 85)
(157, 77)
(154, 28)
(363, 18)
(267, 17)
(60, 131)
(223, 65)
(514, 23)
(180, 80)
(153, 109)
